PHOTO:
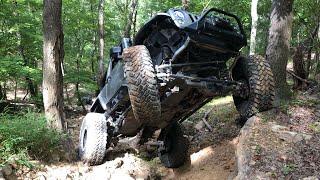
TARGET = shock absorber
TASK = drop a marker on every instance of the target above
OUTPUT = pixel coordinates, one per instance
(164, 73)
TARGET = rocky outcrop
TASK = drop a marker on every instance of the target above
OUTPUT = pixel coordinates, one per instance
(267, 150)
(243, 153)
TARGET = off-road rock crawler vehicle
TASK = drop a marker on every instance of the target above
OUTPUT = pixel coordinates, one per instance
(177, 62)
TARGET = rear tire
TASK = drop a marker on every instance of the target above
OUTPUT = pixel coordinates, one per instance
(93, 138)
(255, 73)
(176, 146)
(142, 83)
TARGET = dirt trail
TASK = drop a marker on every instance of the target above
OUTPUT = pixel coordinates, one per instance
(212, 154)
(210, 163)
(215, 162)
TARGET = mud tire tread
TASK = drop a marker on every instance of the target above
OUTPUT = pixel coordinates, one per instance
(142, 83)
(94, 124)
(178, 152)
(257, 72)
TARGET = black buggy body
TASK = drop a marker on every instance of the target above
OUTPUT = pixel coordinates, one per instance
(177, 62)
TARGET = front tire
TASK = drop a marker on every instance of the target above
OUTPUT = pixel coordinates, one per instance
(93, 138)
(176, 147)
(257, 91)
(142, 83)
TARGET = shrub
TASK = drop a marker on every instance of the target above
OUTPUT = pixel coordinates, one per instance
(25, 136)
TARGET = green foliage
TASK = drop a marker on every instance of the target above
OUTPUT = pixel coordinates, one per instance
(25, 136)
(21, 33)
(288, 169)
(258, 148)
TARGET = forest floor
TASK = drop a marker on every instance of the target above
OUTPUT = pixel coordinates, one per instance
(212, 154)
(282, 143)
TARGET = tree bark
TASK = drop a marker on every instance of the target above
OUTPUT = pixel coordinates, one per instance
(311, 44)
(278, 47)
(94, 42)
(135, 22)
(53, 63)
(4, 90)
(1, 93)
(185, 5)
(132, 11)
(299, 68)
(254, 25)
(15, 88)
(101, 41)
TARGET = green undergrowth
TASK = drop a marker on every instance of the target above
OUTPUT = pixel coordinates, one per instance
(25, 137)
(220, 110)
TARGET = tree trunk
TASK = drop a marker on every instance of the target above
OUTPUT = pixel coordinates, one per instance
(299, 68)
(94, 40)
(67, 94)
(311, 44)
(15, 88)
(4, 90)
(278, 47)
(53, 63)
(135, 22)
(132, 11)
(316, 64)
(185, 5)
(1, 93)
(31, 87)
(254, 25)
(101, 41)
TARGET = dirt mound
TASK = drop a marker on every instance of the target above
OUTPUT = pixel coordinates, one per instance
(211, 163)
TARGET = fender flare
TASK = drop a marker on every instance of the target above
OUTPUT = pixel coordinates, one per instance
(147, 27)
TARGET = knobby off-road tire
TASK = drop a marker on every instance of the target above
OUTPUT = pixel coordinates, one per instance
(142, 83)
(93, 138)
(177, 147)
(256, 73)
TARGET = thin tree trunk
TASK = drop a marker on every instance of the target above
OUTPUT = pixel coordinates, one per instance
(15, 88)
(316, 64)
(135, 22)
(101, 41)
(185, 5)
(311, 42)
(94, 42)
(31, 88)
(298, 68)
(278, 47)
(29, 81)
(53, 63)
(132, 11)
(254, 25)
(67, 94)
(78, 95)
(4, 91)
(1, 93)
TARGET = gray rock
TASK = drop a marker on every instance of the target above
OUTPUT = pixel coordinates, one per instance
(307, 137)
(293, 137)
(277, 128)
(287, 136)
(200, 125)
(298, 138)
(7, 169)
(243, 153)
(310, 178)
